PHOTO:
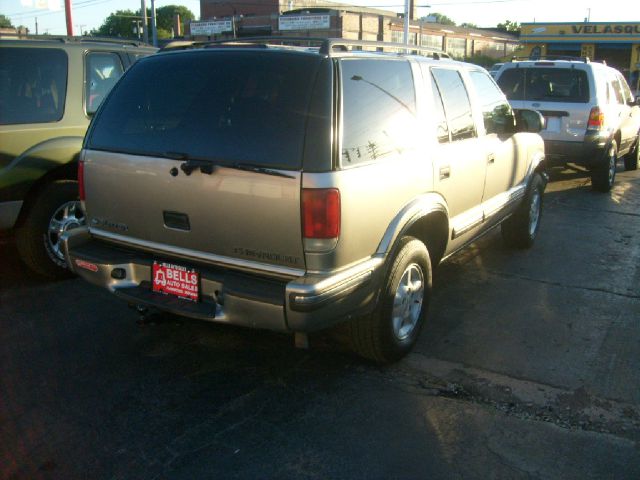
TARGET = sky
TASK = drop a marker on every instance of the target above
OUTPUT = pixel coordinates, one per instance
(89, 14)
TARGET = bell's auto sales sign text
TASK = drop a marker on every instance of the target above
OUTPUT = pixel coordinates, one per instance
(175, 280)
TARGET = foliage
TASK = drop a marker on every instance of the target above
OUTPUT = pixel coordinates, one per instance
(118, 24)
(164, 17)
(509, 27)
(469, 25)
(484, 60)
(122, 22)
(5, 22)
(440, 18)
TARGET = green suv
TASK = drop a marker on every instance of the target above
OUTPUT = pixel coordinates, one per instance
(49, 89)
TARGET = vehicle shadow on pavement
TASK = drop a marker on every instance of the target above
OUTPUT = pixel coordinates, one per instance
(14, 274)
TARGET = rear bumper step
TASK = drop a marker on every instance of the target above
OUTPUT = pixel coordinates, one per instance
(308, 303)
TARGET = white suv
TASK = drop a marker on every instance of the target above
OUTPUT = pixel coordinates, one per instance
(592, 117)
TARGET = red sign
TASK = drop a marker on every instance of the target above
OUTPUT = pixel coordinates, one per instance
(176, 280)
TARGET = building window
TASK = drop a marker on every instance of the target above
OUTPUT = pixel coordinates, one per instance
(456, 47)
(434, 41)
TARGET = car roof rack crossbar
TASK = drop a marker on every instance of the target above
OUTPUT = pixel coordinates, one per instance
(325, 46)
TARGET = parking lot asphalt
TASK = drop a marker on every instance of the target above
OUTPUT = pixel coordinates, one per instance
(528, 368)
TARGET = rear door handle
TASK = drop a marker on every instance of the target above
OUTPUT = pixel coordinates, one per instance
(491, 158)
(445, 172)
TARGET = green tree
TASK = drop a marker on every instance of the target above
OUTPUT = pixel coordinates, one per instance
(164, 18)
(469, 25)
(509, 27)
(122, 22)
(118, 24)
(5, 22)
(440, 18)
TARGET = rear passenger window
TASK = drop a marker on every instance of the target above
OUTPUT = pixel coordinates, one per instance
(456, 103)
(33, 85)
(626, 91)
(442, 129)
(496, 112)
(103, 69)
(617, 91)
(378, 109)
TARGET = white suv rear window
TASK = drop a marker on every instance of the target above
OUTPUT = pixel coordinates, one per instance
(546, 84)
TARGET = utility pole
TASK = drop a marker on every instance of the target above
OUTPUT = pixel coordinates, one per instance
(80, 28)
(36, 25)
(69, 17)
(406, 22)
(145, 28)
(154, 30)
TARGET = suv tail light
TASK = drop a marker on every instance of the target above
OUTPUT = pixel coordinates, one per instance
(596, 119)
(81, 179)
(321, 213)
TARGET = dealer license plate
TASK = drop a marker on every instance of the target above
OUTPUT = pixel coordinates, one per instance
(176, 280)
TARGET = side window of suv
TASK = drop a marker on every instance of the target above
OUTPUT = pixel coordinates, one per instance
(626, 91)
(33, 85)
(496, 111)
(442, 129)
(378, 110)
(103, 69)
(456, 103)
(616, 90)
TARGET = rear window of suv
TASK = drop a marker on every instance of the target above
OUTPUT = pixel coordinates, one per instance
(33, 85)
(545, 84)
(229, 107)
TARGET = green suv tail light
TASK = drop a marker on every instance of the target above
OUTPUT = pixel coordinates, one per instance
(321, 213)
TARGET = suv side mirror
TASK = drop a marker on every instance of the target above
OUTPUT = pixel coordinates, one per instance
(529, 121)
(635, 102)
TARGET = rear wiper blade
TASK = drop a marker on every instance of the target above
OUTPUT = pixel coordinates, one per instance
(191, 164)
(208, 166)
(259, 169)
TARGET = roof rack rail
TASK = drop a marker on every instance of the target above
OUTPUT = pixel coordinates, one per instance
(77, 39)
(552, 57)
(325, 46)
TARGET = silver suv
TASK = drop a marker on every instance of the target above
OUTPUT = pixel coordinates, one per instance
(291, 188)
(592, 117)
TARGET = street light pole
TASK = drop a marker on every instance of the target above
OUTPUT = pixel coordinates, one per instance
(69, 17)
(154, 30)
(145, 29)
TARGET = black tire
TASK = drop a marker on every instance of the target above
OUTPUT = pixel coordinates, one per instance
(632, 158)
(35, 236)
(521, 228)
(603, 176)
(378, 336)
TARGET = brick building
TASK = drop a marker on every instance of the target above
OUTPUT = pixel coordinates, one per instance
(319, 18)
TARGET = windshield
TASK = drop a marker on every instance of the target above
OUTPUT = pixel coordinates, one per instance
(229, 107)
(545, 84)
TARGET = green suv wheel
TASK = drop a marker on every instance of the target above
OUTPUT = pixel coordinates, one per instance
(392, 329)
(54, 211)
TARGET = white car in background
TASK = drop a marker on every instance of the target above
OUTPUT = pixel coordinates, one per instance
(592, 117)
